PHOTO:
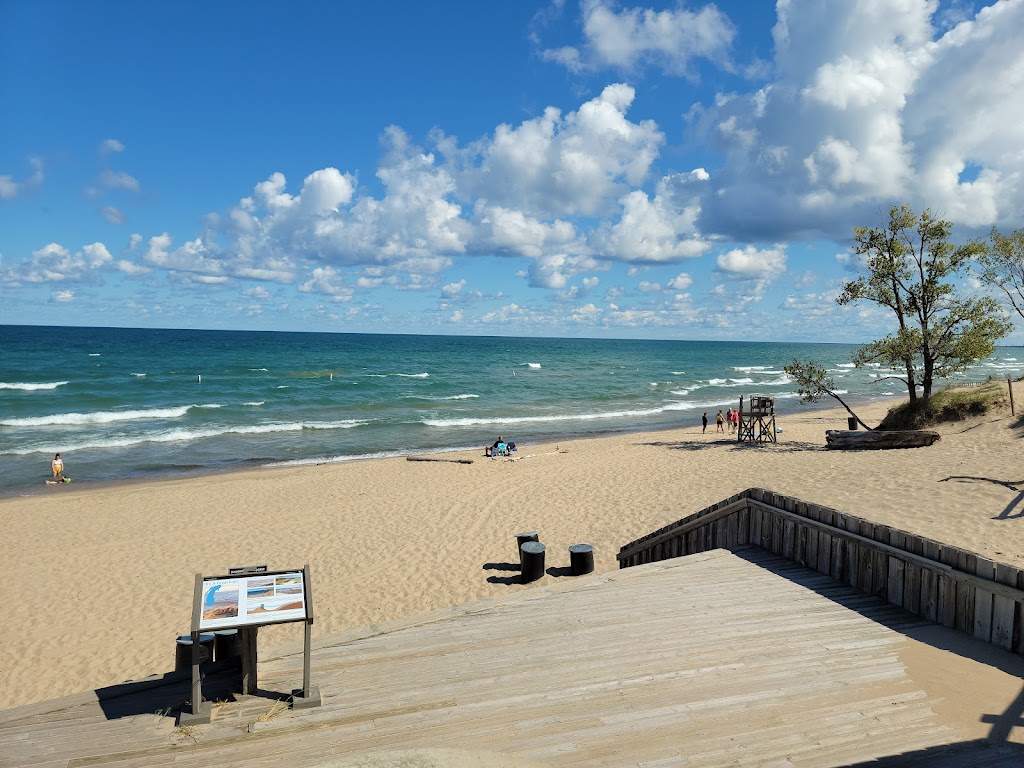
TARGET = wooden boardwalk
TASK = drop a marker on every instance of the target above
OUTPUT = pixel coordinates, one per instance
(710, 660)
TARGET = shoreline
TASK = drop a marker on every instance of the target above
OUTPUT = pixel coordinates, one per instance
(43, 488)
(104, 575)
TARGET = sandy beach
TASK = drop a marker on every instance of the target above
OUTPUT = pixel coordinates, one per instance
(99, 581)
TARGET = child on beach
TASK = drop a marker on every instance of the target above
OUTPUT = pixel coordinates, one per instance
(704, 420)
(57, 465)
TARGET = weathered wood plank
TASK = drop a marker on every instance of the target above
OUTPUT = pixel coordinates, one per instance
(865, 559)
(1003, 609)
(788, 539)
(824, 541)
(880, 566)
(965, 593)
(778, 525)
(930, 584)
(897, 568)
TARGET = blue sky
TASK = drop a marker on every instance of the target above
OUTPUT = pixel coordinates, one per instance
(551, 168)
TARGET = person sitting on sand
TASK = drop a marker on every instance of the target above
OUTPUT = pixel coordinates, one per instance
(57, 465)
(492, 450)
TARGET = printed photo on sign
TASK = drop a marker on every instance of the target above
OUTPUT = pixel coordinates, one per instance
(220, 601)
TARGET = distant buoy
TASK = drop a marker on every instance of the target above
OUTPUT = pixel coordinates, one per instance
(200, 378)
(513, 371)
(332, 377)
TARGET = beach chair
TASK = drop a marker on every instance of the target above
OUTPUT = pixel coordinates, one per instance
(502, 449)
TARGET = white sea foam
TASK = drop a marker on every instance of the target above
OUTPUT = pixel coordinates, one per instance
(139, 375)
(847, 365)
(730, 382)
(257, 369)
(779, 382)
(101, 417)
(678, 405)
(460, 397)
(750, 367)
(678, 373)
(255, 403)
(31, 387)
(210, 405)
(340, 459)
(184, 435)
(94, 354)
(534, 365)
(282, 386)
(401, 375)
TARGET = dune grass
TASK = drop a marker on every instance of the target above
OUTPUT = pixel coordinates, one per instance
(950, 404)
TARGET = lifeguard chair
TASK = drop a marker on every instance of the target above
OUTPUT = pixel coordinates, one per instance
(757, 424)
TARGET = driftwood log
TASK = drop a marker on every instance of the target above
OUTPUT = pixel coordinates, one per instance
(431, 458)
(876, 440)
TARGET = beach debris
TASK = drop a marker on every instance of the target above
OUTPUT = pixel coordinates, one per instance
(432, 458)
(876, 440)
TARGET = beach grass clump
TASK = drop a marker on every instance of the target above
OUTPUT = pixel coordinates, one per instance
(950, 404)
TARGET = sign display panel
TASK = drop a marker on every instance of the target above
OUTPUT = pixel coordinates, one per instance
(252, 600)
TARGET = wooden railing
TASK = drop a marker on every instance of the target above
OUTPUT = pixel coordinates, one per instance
(937, 581)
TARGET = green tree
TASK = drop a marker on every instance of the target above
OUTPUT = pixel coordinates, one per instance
(909, 265)
(1002, 265)
(813, 383)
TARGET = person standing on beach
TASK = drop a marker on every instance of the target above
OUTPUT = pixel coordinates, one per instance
(720, 420)
(57, 465)
(704, 419)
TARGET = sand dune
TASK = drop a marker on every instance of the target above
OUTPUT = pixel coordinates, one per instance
(388, 538)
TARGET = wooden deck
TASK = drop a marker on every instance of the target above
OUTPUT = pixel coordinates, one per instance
(710, 660)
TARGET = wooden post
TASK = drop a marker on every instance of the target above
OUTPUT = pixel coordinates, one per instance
(200, 711)
(1009, 385)
(247, 639)
(309, 695)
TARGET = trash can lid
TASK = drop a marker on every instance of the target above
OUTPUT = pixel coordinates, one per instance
(581, 548)
(533, 547)
(204, 637)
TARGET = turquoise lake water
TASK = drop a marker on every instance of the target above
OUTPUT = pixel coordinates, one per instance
(120, 404)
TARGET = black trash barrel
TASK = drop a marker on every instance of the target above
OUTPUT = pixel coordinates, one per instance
(227, 645)
(581, 559)
(525, 536)
(851, 422)
(531, 558)
(183, 650)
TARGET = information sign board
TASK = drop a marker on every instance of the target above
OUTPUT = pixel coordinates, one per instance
(227, 602)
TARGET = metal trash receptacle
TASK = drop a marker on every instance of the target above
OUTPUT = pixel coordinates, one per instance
(183, 650)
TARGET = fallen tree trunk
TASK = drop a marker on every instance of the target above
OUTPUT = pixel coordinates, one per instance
(876, 440)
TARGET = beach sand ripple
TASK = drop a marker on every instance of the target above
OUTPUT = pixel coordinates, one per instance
(100, 581)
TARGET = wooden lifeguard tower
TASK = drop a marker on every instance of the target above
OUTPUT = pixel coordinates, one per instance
(757, 425)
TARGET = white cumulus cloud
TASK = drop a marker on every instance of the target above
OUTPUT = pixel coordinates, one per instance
(629, 37)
